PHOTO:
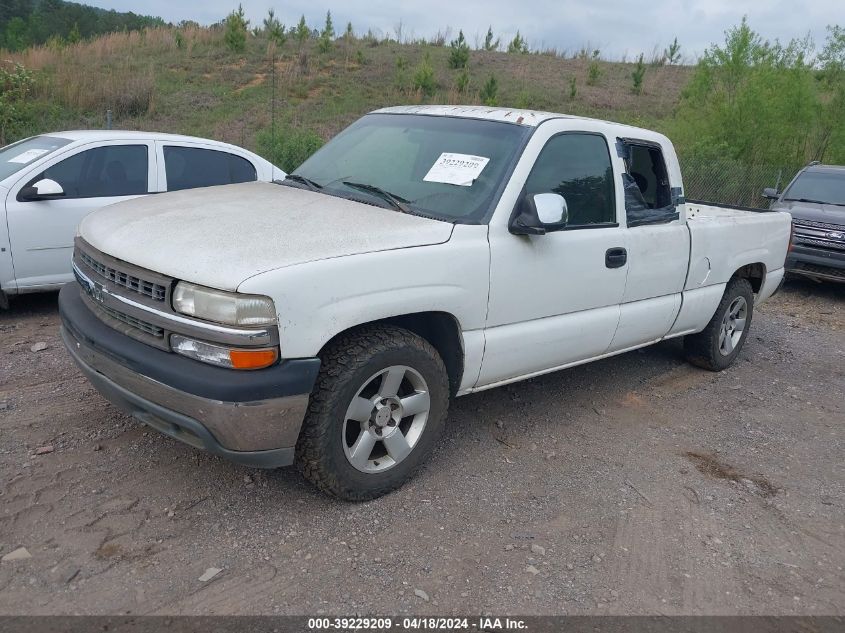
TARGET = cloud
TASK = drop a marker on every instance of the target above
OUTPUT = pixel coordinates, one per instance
(617, 27)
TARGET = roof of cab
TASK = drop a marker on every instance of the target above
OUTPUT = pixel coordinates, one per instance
(529, 118)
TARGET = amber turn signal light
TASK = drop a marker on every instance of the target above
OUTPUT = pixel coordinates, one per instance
(253, 358)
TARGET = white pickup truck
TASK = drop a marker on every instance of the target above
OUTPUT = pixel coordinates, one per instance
(423, 253)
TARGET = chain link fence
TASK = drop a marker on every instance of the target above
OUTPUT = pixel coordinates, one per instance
(727, 181)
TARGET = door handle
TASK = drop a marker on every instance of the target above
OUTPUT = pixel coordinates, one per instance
(615, 257)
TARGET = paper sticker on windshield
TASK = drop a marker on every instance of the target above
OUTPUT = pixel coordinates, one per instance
(28, 156)
(456, 169)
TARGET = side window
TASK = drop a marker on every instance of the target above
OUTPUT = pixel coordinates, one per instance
(113, 170)
(191, 167)
(648, 193)
(646, 166)
(577, 166)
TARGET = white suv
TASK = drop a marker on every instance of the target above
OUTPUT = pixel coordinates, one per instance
(49, 183)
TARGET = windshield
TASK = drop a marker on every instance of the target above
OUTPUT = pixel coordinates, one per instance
(18, 155)
(826, 187)
(442, 167)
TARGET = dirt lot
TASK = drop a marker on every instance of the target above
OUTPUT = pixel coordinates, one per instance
(633, 485)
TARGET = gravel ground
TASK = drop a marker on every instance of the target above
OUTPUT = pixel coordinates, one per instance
(634, 485)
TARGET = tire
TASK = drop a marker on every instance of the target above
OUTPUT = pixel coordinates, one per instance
(351, 443)
(711, 350)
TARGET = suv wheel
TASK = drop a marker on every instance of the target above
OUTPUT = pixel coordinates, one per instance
(378, 407)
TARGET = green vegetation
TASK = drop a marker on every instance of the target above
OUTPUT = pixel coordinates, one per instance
(489, 43)
(672, 55)
(459, 55)
(26, 23)
(274, 30)
(424, 81)
(594, 73)
(302, 32)
(489, 92)
(764, 103)
(236, 30)
(749, 104)
(518, 45)
(15, 85)
(638, 75)
(326, 41)
(289, 146)
(462, 81)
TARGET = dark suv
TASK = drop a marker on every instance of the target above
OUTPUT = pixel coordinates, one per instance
(816, 200)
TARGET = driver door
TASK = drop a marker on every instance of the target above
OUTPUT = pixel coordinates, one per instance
(41, 232)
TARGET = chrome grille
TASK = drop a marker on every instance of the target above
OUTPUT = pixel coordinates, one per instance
(120, 278)
(820, 234)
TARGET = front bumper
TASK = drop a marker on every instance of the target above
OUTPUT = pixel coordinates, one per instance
(249, 417)
(816, 262)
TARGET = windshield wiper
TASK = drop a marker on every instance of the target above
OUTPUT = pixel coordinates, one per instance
(313, 186)
(807, 200)
(398, 202)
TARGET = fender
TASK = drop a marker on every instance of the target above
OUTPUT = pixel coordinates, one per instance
(318, 300)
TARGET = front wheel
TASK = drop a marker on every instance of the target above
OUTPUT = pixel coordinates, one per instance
(378, 407)
(718, 345)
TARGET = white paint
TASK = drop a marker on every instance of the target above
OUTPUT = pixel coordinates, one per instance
(224, 235)
(525, 305)
(38, 235)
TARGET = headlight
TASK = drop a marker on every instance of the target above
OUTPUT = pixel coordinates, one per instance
(219, 306)
(224, 356)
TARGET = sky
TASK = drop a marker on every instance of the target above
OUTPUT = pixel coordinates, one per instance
(617, 27)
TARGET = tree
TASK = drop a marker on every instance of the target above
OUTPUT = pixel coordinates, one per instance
(462, 81)
(424, 80)
(74, 37)
(459, 55)
(673, 54)
(755, 102)
(832, 119)
(489, 92)
(302, 32)
(326, 40)
(15, 86)
(237, 28)
(638, 75)
(489, 43)
(273, 29)
(518, 45)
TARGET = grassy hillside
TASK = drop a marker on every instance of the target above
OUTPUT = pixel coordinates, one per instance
(188, 81)
(747, 116)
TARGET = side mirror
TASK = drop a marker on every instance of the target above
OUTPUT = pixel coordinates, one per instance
(771, 193)
(539, 214)
(44, 189)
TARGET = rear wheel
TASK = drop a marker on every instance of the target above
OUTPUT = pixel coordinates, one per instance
(718, 345)
(379, 405)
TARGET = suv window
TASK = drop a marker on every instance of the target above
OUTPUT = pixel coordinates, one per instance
(822, 186)
(577, 166)
(191, 167)
(102, 172)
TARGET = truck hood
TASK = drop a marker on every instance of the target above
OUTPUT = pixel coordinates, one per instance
(829, 213)
(221, 236)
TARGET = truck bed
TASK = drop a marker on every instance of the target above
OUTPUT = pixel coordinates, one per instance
(722, 237)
